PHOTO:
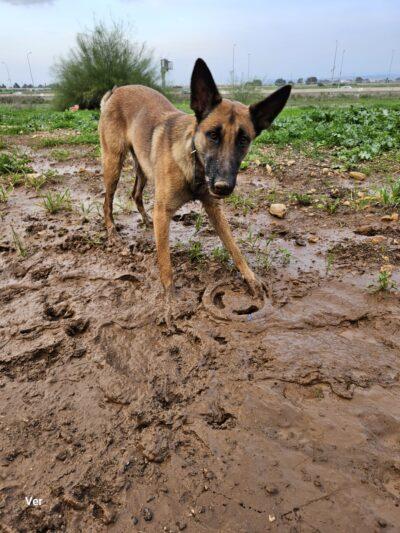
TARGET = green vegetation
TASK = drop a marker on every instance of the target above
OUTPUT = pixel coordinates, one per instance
(353, 134)
(102, 58)
(390, 195)
(385, 282)
(14, 163)
(58, 201)
(195, 251)
(19, 245)
(60, 154)
(5, 193)
(220, 254)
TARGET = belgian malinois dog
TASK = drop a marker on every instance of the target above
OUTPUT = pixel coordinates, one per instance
(187, 156)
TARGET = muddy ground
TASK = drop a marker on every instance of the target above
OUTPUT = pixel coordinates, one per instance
(236, 419)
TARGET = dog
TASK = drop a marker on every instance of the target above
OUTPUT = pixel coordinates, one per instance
(188, 157)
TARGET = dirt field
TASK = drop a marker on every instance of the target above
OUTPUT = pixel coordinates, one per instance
(285, 418)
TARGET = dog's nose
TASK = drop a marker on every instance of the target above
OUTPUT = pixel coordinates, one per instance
(222, 187)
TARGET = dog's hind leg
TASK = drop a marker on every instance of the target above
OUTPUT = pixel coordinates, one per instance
(137, 193)
(112, 166)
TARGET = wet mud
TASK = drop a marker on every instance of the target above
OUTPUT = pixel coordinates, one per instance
(280, 414)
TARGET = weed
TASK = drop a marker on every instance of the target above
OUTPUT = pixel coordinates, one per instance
(36, 181)
(385, 282)
(285, 254)
(332, 206)
(60, 154)
(195, 251)
(198, 222)
(390, 195)
(55, 202)
(330, 258)
(241, 202)
(302, 199)
(19, 245)
(14, 163)
(85, 209)
(5, 193)
(220, 254)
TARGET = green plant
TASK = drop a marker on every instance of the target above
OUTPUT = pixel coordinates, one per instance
(220, 254)
(198, 222)
(36, 181)
(5, 193)
(332, 206)
(285, 254)
(302, 198)
(390, 195)
(385, 282)
(195, 251)
(85, 209)
(240, 202)
(19, 245)
(55, 202)
(102, 58)
(14, 163)
(60, 154)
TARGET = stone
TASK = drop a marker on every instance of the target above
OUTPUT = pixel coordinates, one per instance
(359, 176)
(278, 210)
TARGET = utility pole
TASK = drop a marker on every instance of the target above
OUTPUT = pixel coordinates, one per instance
(334, 62)
(30, 69)
(233, 65)
(8, 74)
(390, 66)
(248, 67)
(341, 66)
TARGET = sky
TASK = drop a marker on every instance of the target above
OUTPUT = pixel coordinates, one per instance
(270, 39)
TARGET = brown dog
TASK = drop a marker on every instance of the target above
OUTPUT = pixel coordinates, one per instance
(188, 156)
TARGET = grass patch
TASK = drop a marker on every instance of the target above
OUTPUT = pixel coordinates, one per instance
(14, 163)
(58, 201)
(60, 154)
(5, 193)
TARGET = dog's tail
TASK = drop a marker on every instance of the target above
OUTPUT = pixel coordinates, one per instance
(106, 97)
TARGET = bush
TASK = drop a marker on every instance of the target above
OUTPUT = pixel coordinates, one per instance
(103, 57)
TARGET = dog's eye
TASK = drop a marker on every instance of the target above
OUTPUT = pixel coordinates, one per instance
(213, 135)
(243, 140)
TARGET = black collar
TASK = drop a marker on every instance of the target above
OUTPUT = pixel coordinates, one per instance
(198, 183)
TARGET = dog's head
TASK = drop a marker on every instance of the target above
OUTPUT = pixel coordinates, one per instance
(225, 128)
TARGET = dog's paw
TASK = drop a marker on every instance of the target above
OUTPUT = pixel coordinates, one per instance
(256, 287)
(113, 238)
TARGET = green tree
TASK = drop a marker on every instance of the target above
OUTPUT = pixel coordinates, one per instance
(102, 58)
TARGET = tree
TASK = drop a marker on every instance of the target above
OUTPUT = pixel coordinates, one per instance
(102, 58)
(300, 81)
(311, 80)
(16, 86)
(280, 81)
(359, 79)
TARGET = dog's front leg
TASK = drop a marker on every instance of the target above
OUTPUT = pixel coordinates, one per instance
(220, 223)
(161, 220)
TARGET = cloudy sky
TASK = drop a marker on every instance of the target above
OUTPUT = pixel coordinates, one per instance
(289, 39)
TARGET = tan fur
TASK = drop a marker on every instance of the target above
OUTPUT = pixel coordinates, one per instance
(141, 120)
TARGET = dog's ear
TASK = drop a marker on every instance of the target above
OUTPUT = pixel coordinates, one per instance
(263, 113)
(204, 95)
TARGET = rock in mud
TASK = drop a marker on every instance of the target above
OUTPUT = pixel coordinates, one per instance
(359, 176)
(278, 210)
(147, 514)
(77, 326)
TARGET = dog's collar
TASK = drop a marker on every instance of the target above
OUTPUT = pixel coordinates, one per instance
(198, 179)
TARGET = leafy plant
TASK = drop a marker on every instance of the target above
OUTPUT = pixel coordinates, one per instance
(195, 251)
(14, 163)
(220, 254)
(102, 58)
